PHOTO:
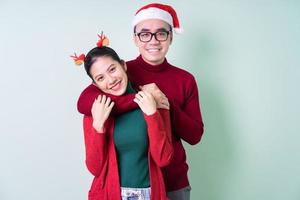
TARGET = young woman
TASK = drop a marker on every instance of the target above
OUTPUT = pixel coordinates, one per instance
(124, 152)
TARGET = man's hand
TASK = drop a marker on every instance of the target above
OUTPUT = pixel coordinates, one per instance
(101, 109)
(160, 98)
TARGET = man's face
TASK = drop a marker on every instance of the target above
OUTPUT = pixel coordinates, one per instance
(153, 51)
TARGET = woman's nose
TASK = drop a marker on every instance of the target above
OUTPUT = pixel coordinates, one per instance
(111, 79)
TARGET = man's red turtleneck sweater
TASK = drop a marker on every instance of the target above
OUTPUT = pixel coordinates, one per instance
(181, 90)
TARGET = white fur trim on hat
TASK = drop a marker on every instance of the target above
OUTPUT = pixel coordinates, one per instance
(152, 13)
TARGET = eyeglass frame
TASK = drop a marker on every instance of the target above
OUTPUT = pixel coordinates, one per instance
(153, 34)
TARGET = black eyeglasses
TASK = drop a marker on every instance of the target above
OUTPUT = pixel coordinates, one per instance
(159, 36)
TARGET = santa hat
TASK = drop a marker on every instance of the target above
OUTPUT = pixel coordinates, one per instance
(158, 11)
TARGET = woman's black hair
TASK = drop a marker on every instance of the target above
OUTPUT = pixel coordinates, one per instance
(97, 52)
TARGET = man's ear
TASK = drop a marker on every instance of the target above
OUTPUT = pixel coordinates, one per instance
(135, 40)
(171, 37)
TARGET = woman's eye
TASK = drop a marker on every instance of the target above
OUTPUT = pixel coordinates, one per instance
(100, 78)
(112, 69)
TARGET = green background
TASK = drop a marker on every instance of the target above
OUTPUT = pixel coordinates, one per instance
(244, 55)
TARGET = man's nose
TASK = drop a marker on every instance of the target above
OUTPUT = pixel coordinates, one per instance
(153, 40)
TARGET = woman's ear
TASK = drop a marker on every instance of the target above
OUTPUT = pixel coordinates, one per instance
(123, 64)
(94, 82)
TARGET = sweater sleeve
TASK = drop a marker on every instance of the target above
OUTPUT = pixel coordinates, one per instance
(122, 103)
(186, 120)
(159, 132)
(95, 148)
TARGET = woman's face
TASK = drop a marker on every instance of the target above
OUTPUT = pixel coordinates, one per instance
(109, 75)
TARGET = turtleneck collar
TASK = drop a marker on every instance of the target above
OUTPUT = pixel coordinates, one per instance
(129, 89)
(152, 68)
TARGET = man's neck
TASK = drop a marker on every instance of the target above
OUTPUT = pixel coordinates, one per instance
(150, 67)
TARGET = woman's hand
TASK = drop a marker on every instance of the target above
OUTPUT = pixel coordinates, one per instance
(101, 109)
(146, 102)
(160, 98)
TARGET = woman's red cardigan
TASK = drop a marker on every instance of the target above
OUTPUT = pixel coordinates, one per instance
(101, 159)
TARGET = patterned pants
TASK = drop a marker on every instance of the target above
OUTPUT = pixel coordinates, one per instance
(135, 193)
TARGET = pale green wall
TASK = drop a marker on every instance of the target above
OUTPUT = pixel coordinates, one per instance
(244, 55)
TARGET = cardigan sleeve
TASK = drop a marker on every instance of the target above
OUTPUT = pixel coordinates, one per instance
(86, 99)
(159, 132)
(96, 148)
(186, 120)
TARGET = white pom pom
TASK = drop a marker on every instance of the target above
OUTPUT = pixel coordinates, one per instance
(178, 30)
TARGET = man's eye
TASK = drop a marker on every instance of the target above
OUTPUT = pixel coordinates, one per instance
(161, 33)
(145, 34)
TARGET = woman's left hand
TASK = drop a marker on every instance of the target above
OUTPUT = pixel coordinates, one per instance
(101, 109)
(146, 102)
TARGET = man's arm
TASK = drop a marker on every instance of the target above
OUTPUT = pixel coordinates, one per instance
(86, 99)
(187, 120)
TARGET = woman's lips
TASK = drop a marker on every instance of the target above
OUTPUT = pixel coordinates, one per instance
(116, 86)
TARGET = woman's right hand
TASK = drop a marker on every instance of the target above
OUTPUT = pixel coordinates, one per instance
(160, 98)
(146, 102)
(101, 109)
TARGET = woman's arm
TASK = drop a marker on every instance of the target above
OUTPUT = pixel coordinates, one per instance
(95, 135)
(159, 132)
(95, 148)
(159, 128)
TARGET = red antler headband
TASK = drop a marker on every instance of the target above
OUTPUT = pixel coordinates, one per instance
(78, 59)
(103, 41)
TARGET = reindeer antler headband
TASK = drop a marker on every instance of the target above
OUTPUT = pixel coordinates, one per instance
(103, 41)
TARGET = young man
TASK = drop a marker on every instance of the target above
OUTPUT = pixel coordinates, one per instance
(153, 34)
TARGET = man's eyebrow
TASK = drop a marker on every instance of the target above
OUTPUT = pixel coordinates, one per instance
(162, 29)
(148, 30)
(145, 30)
